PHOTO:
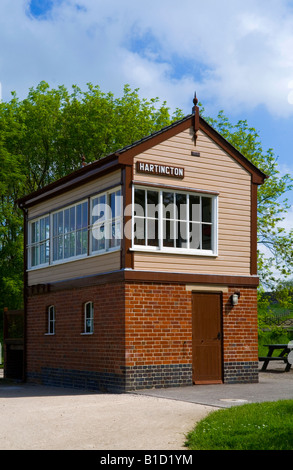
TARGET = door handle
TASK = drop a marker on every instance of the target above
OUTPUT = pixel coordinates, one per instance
(219, 336)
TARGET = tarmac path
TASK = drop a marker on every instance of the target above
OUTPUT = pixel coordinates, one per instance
(36, 417)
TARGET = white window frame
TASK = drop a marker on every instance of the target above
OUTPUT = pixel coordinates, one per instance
(110, 222)
(37, 244)
(51, 320)
(69, 233)
(107, 221)
(88, 319)
(178, 250)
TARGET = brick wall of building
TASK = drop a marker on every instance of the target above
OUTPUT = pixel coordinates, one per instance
(70, 358)
(159, 336)
(142, 337)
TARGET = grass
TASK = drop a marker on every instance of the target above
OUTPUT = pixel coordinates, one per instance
(256, 426)
(273, 336)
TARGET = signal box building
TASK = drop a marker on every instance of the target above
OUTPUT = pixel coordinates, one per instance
(141, 268)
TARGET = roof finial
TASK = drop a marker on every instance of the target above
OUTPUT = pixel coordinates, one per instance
(195, 101)
(195, 111)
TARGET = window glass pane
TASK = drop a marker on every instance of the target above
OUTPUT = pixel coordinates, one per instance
(181, 206)
(206, 237)
(194, 236)
(153, 232)
(118, 203)
(181, 239)
(115, 234)
(47, 227)
(152, 204)
(55, 249)
(78, 216)
(168, 206)
(139, 199)
(72, 244)
(84, 241)
(72, 219)
(89, 317)
(78, 239)
(139, 231)
(42, 229)
(51, 320)
(55, 225)
(60, 222)
(59, 248)
(84, 214)
(35, 232)
(112, 204)
(168, 233)
(42, 253)
(66, 246)
(98, 237)
(34, 255)
(66, 221)
(99, 209)
(206, 209)
(47, 251)
(194, 208)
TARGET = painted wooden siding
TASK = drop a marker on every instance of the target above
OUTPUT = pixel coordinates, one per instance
(107, 262)
(213, 170)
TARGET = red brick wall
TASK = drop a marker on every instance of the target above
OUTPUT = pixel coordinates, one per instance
(68, 348)
(136, 325)
(240, 341)
(158, 324)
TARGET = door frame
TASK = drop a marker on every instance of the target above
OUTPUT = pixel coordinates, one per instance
(220, 294)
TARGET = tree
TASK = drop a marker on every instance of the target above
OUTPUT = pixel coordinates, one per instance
(43, 138)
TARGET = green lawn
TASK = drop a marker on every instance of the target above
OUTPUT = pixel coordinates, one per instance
(256, 426)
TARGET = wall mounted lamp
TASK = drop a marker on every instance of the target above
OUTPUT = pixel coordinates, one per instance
(234, 298)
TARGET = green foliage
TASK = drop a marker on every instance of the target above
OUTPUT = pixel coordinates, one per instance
(257, 426)
(44, 136)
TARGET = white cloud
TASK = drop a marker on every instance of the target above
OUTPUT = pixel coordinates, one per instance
(235, 55)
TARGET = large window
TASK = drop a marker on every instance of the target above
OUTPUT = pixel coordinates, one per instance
(174, 221)
(89, 227)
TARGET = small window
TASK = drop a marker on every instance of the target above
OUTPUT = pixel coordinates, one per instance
(51, 320)
(89, 318)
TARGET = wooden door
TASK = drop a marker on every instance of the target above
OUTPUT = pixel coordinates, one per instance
(206, 338)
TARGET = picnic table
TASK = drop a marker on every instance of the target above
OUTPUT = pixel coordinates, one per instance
(281, 357)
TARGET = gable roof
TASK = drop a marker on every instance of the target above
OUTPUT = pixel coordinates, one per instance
(125, 155)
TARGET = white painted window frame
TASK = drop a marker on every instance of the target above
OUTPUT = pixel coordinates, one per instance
(175, 250)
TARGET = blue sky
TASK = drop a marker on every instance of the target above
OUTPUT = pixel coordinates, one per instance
(237, 56)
